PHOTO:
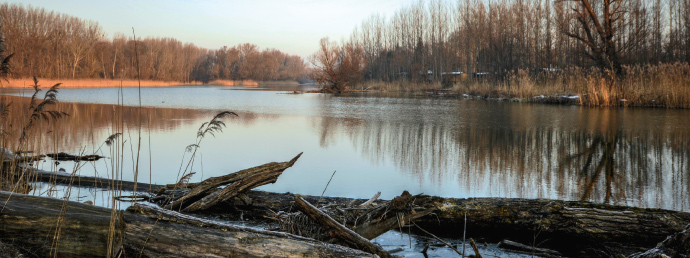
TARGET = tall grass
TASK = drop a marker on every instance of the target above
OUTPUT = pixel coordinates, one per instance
(652, 85)
(23, 134)
(399, 85)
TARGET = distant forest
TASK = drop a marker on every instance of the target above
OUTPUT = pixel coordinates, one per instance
(500, 36)
(58, 46)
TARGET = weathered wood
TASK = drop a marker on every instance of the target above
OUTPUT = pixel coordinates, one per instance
(397, 213)
(61, 156)
(526, 249)
(89, 181)
(30, 222)
(571, 227)
(371, 200)
(339, 231)
(375, 228)
(208, 186)
(161, 214)
(49, 226)
(676, 245)
(474, 247)
(163, 232)
(440, 240)
(234, 189)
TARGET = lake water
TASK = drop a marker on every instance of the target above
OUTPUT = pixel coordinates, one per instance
(385, 142)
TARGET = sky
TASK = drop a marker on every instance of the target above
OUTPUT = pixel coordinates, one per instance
(291, 26)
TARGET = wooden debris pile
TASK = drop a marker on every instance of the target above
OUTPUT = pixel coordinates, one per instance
(346, 224)
(369, 219)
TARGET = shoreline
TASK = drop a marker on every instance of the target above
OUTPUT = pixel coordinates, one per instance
(110, 83)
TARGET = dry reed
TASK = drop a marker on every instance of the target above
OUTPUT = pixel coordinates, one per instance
(252, 83)
(95, 83)
(658, 85)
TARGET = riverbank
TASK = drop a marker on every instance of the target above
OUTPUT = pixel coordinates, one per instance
(662, 85)
(109, 83)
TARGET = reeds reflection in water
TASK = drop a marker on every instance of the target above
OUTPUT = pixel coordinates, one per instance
(627, 157)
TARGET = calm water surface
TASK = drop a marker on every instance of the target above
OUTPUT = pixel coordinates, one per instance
(388, 143)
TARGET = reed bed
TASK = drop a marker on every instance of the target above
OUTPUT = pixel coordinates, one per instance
(93, 83)
(252, 83)
(399, 85)
(654, 85)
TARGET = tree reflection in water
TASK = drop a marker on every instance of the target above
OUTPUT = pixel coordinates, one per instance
(638, 157)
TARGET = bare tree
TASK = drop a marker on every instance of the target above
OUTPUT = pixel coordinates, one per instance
(337, 67)
(598, 25)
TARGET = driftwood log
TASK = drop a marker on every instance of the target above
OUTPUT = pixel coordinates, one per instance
(89, 181)
(578, 229)
(339, 231)
(570, 227)
(205, 194)
(34, 223)
(48, 226)
(61, 156)
(676, 245)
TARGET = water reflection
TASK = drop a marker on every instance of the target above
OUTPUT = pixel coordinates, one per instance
(602, 155)
(452, 148)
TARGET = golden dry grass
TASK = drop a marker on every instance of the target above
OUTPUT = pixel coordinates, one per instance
(252, 83)
(400, 85)
(659, 85)
(92, 83)
(234, 83)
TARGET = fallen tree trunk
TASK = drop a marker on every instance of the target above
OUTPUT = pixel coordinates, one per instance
(48, 226)
(677, 245)
(571, 227)
(89, 181)
(204, 194)
(61, 156)
(339, 231)
(31, 223)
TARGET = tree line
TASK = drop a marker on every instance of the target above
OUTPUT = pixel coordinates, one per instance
(496, 37)
(58, 46)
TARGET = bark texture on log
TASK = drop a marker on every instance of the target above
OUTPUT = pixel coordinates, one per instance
(160, 214)
(339, 231)
(61, 156)
(675, 246)
(48, 226)
(573, 228)
(199, 197)
(30, 222)
(161, 233)
(570, 227)
(567, 226)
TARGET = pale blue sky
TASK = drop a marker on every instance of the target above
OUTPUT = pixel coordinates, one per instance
(292, 26)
